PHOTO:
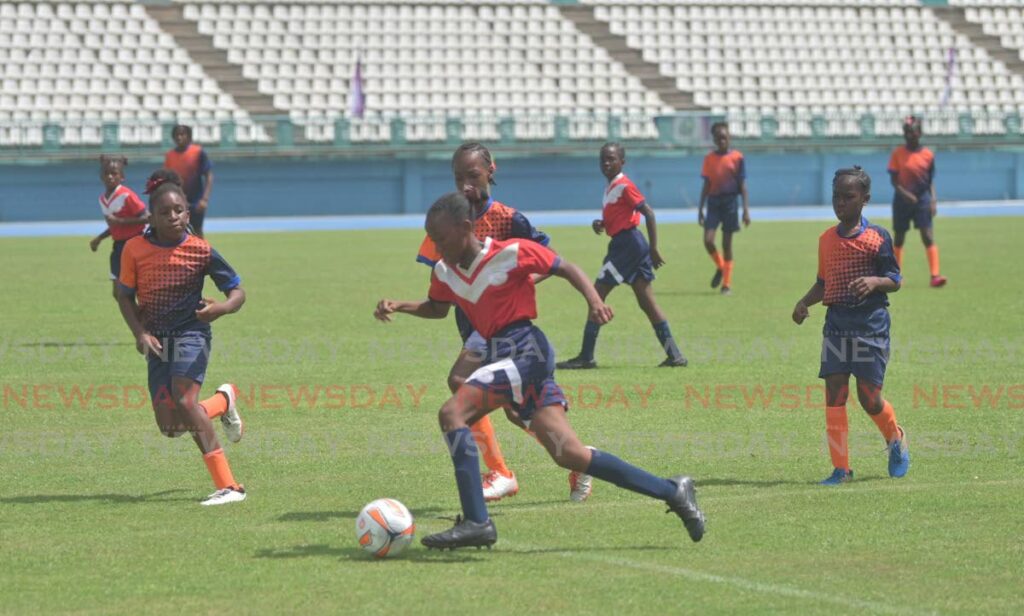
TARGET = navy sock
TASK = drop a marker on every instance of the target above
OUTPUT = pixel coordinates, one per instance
(665, 339)
(466, 459)
(607, 467)
(590, 331)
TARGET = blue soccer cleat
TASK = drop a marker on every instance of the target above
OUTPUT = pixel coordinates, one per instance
(899, 456)
(838, 476)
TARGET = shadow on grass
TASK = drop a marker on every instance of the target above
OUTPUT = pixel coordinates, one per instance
(47, 345)
(414, 554)
(436, 513)
(588, 550)
(770, 483)
(115, 499)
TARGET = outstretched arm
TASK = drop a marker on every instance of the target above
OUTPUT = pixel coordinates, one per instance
(599, 312)
(424, 309)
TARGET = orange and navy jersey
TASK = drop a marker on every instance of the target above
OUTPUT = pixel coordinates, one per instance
(192, 165)
(913, 170)
(725, 173)
(497, 221)
(497, 289)
(621, 205)
(123, 203)
(167, 280)
(841, 260)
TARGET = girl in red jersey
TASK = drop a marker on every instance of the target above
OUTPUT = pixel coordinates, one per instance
(125, 213)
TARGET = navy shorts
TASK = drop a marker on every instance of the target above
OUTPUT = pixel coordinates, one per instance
(629, 257)
(185, 354)
(865, 357)
(920, 213)
(115, 259)
(725, 212)
(520, 365)
(195, 217)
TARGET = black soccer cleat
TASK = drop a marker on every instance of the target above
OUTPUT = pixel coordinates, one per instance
(465, 534)
(674, 362)
(576, 363)
(684, 504)
(716, 279)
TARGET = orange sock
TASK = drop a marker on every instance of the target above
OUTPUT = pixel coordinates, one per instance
(216, 405)
(487, 443)
(837, 429)
(886, 422)
(717, 258)
(898, 250)
(933, 259)
(217, 464)
(727, 273)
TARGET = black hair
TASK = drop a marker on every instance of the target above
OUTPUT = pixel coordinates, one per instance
(453, 206)
(160, 176)
(718, 125)
(858, 174)
(113, 159)
(182, 127)
(912, 121)
(475, 147)
(164, 188)
(615, 145)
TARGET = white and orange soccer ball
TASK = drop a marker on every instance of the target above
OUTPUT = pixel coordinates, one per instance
(385, 528)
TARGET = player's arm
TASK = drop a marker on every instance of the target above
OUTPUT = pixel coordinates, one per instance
(705, 189)
(424, 309)
(145, 342)
(213, 310)
(813, 296)
(207, 189)
(94, 243)
(907, 196)
(652, 233)
(599, 312)
(141, 219)
(746, 203)
(866, 285)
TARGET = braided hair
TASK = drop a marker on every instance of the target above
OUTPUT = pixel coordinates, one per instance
(475, 147)
(858, 174)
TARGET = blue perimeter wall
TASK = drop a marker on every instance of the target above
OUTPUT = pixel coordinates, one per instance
(283, 187)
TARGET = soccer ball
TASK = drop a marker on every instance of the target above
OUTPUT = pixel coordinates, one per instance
(385, 528)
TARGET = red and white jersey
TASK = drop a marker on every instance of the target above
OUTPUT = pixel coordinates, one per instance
(621, 201)
(497, 289)
(123, 203)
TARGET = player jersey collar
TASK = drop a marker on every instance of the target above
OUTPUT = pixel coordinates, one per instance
(468, 272)
(151, 237)
(490, 202)
(113, 195)
(616, 179)
(863, 228)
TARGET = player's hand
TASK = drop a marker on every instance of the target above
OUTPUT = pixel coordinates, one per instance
(700, 217)
(211, 311)
(147, 344)
(597, 226)
(864, 286)
(656, 258)
(385, 308)
(935, 209)
(112, 220)
(912, 198)
(746, 218)
(601, 313)
(94, 243)
(201, 206)
(800, 312)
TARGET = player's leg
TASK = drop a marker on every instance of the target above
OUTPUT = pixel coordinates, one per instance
(900, 226)
(726, 260)
(644, 291)
(869, 394)
(932, 250)
(585, 359)
(837, 391)
(709, 245)
(223, 404)
(552, 428)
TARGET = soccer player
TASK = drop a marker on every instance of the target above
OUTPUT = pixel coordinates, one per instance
(473, 168)
(160, 296)
(630, 260)
(725, 178)
(193, 166)
(493, 282)
(912, 171)
(856, 270)
(125, 213)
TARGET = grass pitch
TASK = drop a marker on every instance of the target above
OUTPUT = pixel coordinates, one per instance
(99, 513)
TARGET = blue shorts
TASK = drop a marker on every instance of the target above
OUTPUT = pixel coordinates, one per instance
(723, 211)
(920, 213)
(185, 354)
(629, 256)
(865, 357)
(520, 366)
(115, 259)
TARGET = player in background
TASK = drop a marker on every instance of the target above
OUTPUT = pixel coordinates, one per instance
(160, 296)
(630, 259)
(124, 212)
(857, 268)
(493, 283)
(193, 166)
(725, 179)
(473, 169)
(912, 171)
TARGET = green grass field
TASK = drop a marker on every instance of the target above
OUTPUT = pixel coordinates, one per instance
(99, 513)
